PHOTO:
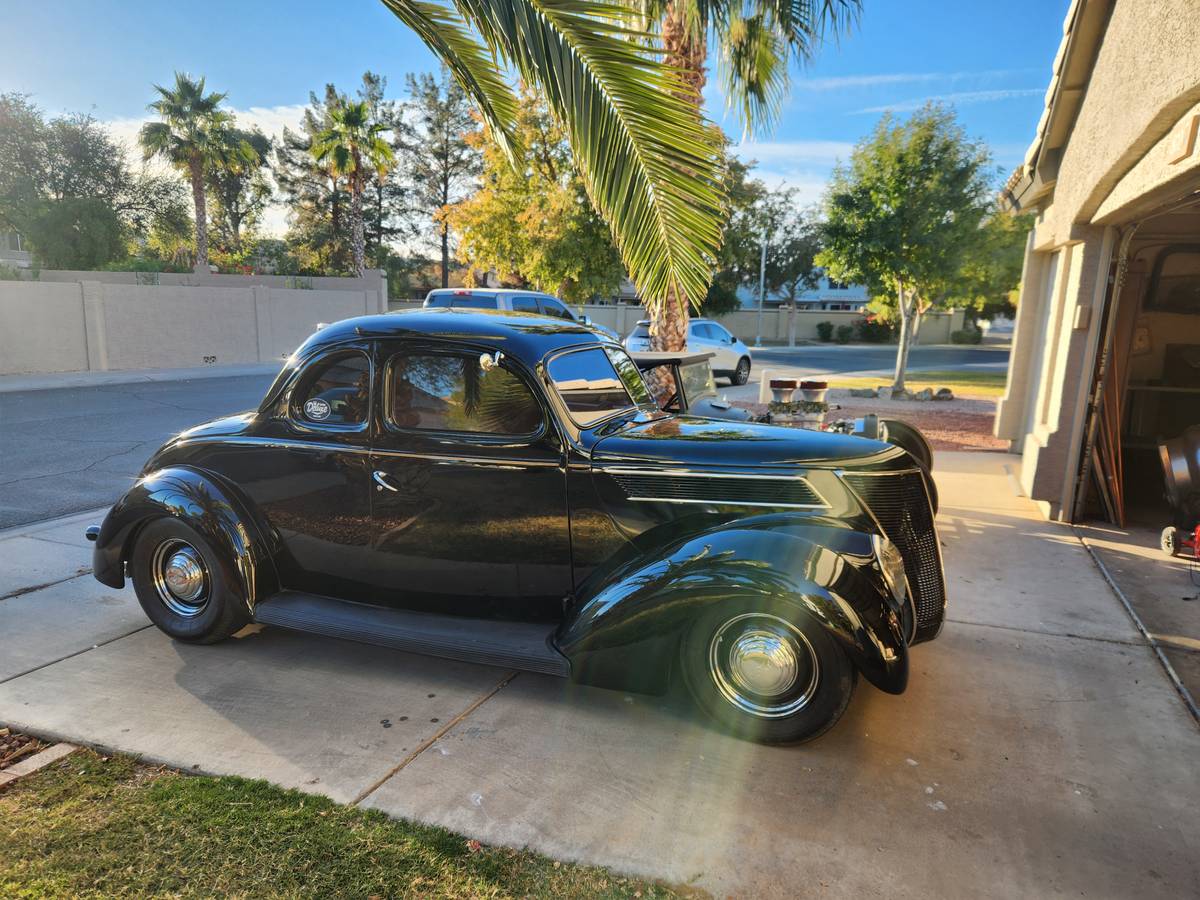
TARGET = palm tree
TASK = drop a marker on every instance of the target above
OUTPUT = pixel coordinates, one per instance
(194, 135)
(350, 146)
(755, 42)
(651, 166)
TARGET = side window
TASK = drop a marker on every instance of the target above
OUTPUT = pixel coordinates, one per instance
(454, 393)
(335, 391)
(525, 304)
(552, 307)
(719, 333)
(703, 332)
(468, 300)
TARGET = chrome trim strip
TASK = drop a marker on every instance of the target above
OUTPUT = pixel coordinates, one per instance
(730, 503)
(691, 473)
(688, 473)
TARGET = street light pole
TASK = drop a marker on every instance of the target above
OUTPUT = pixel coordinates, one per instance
(762, 286)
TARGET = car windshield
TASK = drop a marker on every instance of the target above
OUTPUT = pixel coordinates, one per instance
(641, 330)
(598, 384)
(697, 381)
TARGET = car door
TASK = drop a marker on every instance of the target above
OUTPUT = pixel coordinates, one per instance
(469, 503)
(700, 341)
(307, 471)
(721, 342)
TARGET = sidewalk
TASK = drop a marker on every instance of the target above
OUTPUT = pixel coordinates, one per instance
(1040, 748)
(58, 380)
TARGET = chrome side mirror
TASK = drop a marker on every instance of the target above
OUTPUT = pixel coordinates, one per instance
(489, 361)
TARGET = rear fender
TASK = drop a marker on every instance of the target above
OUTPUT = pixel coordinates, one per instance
(623, 629)
(213, 509)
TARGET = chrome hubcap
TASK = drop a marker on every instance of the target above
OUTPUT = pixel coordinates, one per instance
(763, 665)
(180, 578)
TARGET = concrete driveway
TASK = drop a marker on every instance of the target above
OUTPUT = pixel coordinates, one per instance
(1039, 750)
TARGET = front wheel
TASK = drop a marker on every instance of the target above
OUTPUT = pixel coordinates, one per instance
(1169, 541)
(765, 676)
(742, 373)
(182, 585)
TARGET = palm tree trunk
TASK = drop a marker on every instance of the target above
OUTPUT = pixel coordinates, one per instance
(196, 170)
(357, 233)
(685, 51)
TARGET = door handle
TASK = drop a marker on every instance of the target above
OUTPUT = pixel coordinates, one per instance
(381, 481)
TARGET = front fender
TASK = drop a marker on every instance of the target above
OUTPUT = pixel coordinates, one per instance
(200, 500)
(623, 629)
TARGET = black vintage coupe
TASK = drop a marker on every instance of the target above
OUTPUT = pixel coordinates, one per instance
(501, 488)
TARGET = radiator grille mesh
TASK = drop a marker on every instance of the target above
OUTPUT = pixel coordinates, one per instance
(901, 505)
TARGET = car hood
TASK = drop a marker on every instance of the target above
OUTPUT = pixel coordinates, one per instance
(719, 443)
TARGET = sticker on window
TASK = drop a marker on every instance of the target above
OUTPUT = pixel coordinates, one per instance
(317, 409)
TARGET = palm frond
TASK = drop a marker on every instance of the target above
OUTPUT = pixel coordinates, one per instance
(446, 34)
(651, 166)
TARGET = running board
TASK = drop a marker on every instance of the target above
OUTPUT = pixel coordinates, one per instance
(513, 645)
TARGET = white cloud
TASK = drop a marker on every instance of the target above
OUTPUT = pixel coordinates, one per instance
(270, 119)
(843, 82)
(962, 98)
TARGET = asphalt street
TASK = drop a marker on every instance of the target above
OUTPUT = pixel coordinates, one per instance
(74, 448)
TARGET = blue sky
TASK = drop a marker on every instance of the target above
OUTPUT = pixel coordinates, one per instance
(990, 58)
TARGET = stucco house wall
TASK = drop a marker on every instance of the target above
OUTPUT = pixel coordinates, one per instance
(1123, 98)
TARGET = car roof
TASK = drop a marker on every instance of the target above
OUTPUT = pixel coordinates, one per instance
(488, 292)
(527, 336)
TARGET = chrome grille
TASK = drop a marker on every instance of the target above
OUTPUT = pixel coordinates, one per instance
(900, 503)
(693, 488)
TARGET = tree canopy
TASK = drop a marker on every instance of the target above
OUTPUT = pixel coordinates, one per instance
(532, 223)
(902, 215)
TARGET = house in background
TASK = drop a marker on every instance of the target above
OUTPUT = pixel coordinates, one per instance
(1106, 349)
(827, 295)
(13, 252)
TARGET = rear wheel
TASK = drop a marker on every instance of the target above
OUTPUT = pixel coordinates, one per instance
(742, 373)
(182, 586)
(766, 676)
(1169, 540)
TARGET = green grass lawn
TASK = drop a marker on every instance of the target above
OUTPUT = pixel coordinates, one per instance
(968, 383)
(91, 827)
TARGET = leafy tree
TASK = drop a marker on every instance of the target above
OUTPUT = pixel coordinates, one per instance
(195, 137)
(738, 258)
(754, 42)
(793, 241)
(76, 233)
(58, 173)
(533, 223)
(352, 145)
(442, 152)
(990, 275)
(905, 211)
(386, 204)
(650, 166)
(238, 188)
(315, 194)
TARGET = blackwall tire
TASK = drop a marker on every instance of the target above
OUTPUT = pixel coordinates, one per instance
(766, 675)
(742, 373)
(182, 586)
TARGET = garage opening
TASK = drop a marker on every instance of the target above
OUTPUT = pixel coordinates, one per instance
(1146, 386)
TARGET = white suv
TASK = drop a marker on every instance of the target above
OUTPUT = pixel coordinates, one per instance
(512, 300)
(731, 357)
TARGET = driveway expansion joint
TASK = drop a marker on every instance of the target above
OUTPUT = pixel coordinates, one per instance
(20, 592)
(1155, 645)
(54, 662)
(430, 741)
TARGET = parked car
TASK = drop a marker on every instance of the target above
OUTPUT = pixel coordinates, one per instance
(730, 357)
(514, 301)
(500, 488)
(693, 390)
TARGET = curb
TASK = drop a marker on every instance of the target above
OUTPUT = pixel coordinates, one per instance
(38, 761)
(53, 381)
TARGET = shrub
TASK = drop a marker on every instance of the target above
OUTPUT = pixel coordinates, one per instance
(9, 273)
(825, 331)
(874, 331)
(966, 336)
(845, 333)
